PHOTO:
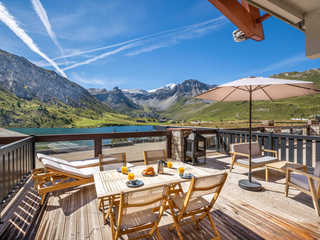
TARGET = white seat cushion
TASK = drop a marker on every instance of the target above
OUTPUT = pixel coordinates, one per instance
(80, 163)
(258, 160)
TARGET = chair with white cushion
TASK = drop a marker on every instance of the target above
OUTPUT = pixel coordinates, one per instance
(240, 155)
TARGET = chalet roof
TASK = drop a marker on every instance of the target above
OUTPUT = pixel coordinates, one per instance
(291, 11)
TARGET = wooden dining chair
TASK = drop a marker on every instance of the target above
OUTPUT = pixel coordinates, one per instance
(136, 212)
(192, 204)
(105, 160)
(109, 162)
(152, 156)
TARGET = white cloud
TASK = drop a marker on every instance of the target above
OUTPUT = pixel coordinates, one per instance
(287, 62)
(10, 21)
(92, 81)
(79, 78)
(41, 12)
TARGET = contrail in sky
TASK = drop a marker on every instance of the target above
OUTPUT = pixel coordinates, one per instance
(151, 42)
(9, 20)
(187, 28)
(100, 56)
(41, 12)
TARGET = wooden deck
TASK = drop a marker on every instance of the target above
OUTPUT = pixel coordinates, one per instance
(238, 214)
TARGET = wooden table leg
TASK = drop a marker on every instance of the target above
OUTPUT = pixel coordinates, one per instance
(110, 215)
(267, 174)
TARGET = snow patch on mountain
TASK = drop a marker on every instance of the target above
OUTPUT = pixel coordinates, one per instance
(168, 86)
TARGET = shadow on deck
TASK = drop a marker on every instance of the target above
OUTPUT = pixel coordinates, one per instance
(238, 214)
(75, 215)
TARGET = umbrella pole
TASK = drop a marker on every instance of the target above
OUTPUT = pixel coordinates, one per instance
(248, 184)
(250, 131)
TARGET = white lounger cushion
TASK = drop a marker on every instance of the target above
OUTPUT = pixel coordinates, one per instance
(80, 163)
(259, 160)
(80, 172)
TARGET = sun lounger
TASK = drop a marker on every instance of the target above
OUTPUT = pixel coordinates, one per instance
(240, 155)
(57, 175)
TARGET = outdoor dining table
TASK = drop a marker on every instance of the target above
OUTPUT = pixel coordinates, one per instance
(109, 184)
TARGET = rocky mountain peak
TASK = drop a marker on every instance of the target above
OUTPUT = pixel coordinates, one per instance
(28, 81)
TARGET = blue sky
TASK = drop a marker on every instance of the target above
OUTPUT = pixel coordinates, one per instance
(144, 44)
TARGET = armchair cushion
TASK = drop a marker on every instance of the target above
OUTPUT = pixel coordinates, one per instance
(258, 160)
(316, 171)
(301, 181)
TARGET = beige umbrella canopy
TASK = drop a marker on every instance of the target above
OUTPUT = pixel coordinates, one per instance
(258, 88)
(261, 89)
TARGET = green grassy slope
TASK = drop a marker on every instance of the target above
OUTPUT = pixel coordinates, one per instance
(17, 112)
(285, 109)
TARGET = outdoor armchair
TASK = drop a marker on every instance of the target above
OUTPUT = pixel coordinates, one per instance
(192, 204)
(240, 155)
(306, 183)
(136, 212)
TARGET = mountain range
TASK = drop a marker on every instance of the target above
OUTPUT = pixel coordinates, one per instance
(31, 96)
(150, 103)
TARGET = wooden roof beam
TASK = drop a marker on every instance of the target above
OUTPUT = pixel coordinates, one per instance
(243, 15)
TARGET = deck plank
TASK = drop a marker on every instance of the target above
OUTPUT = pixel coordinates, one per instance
(20, 214)
(234, 220)
(238, 214)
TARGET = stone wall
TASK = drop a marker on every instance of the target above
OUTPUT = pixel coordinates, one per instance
(177, 145)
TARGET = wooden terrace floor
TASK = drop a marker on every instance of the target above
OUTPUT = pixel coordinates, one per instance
(238, 214)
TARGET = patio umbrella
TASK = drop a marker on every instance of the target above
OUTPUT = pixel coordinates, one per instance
(257, 88)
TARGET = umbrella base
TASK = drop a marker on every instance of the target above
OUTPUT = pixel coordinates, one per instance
(250, 186)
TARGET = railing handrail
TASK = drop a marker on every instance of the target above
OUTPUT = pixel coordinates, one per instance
(316, 138)
(92, 136)
(16, 143)
(88, 136)
(17, 159)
